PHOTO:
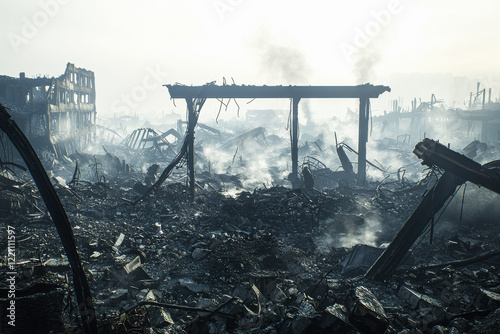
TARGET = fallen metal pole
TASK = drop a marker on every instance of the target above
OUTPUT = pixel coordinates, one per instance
(194, 109)
(460, 263)
(166, 172)
(59, 217)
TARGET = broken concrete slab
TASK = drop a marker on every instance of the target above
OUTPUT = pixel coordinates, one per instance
(360, 259)
(366, 313)
(487, 299)
(335, 319)
(418, 300)
(264, 281)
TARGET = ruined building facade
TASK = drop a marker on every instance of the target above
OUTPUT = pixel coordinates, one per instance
(58, 114)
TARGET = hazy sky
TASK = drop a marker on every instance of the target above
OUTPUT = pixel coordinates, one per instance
(416, 47)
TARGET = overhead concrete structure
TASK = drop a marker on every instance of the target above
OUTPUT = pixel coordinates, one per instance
(295, 93)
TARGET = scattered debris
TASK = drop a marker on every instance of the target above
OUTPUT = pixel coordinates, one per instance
(319, 258)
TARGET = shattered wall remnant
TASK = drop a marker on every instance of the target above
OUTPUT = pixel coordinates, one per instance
(58, 113)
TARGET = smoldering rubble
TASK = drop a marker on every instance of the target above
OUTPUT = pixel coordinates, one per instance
(249, 253)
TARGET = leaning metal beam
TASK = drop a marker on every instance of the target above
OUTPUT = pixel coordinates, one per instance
(431, 203)
(194, 108)
(252, 92)
(459, 169)
(435, 154)
(59, 217)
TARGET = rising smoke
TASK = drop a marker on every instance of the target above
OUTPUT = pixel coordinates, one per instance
(367, 59)
(283, 65)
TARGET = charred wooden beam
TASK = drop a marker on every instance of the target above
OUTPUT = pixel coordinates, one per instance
(59, 217)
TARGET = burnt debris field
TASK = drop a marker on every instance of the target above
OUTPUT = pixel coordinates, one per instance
(240, 229)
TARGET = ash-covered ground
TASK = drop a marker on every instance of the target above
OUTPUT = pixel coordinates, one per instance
(250, 254)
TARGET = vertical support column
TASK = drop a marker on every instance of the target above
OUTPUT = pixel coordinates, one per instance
(484, 98)
(484, 124)
(179, 126)
(295, 148)
(484, 131)
(190, 147)
(47, 125)
(364, 108)
(93, 122)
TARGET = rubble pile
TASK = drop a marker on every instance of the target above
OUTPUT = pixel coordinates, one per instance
(275, 260)
(105, 246)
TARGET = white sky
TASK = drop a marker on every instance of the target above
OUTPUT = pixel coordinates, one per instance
(416, 47)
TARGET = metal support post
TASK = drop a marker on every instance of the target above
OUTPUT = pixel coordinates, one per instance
(190, 148)
(364, 110)
(296, 183)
